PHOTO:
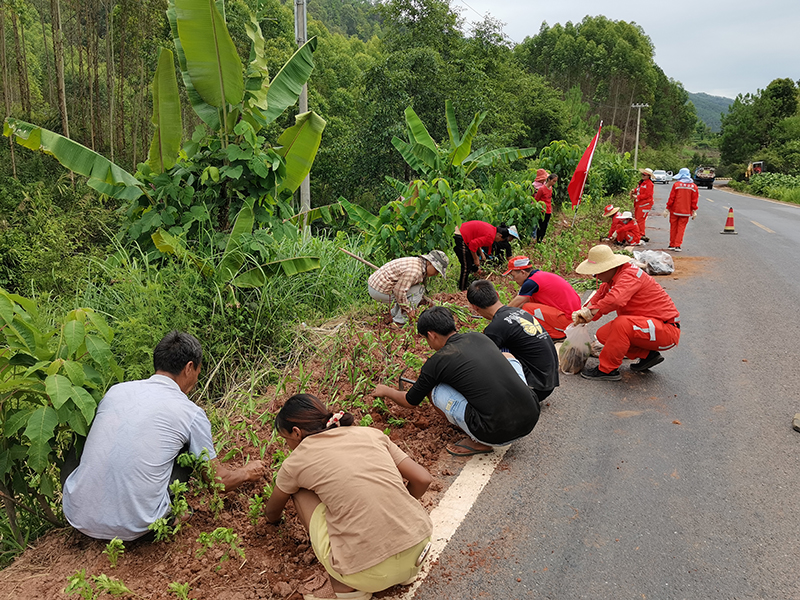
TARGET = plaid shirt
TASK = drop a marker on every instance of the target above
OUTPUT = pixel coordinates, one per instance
(397, 276)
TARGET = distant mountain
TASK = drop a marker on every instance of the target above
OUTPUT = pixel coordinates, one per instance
(709, 108)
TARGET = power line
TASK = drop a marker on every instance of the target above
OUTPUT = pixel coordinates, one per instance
(482, 16)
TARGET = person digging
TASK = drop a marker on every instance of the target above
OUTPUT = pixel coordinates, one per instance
(646, 322)
(475, 386)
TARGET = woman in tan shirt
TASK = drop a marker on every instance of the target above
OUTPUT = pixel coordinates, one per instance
(366, 526)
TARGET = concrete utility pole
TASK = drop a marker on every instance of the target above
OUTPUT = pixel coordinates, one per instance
(638, 118)
(300, 35)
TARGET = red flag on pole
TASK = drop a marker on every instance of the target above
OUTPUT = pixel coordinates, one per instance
(578, 181)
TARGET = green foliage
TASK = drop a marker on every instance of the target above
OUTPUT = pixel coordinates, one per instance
(114, 549)
(560, 158)
(424, 218)
(511, 203)
(181, 590)
(99, 585)
(51, 379)
(772, 185)
(224, 536)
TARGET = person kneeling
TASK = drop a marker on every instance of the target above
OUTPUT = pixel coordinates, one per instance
(366, 527)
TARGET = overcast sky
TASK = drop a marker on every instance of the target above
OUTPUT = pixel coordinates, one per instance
(720, 48)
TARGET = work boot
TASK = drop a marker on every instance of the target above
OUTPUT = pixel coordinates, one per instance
(652, 359)
(596, 373)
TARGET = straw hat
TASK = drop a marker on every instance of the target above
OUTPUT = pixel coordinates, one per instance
(610, 209)
(600, 260)
(518, 263)
(439, 261)
(626, 215)
(646, 172)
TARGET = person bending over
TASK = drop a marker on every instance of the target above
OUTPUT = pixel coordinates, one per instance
(367, 527)
(474, 385)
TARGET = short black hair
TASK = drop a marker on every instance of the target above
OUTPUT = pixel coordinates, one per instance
(552, 176)
(503, 230)
(482, 294)
(175, 351)
(437, 319)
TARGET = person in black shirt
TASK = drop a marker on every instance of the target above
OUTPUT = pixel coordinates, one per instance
(475, 386)
(518, 332)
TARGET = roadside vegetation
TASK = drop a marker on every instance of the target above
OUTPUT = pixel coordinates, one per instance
(164, 201)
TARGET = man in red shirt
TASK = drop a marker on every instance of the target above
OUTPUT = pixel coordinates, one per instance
(643, 200)
(547, 296)
(471, 238)
(646, 322)
(681, 205)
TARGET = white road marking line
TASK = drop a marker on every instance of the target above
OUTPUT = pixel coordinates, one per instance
(767, 229)
(453, 508)
(709, 199)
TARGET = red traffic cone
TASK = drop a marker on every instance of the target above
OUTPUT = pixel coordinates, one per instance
(729, 223)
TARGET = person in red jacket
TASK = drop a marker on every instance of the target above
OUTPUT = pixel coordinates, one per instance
(646, 322)
(471, 238)
(611, 211)
(681, 205)
(547, 296)
(643, 200)
(627, 231)
(545, 194)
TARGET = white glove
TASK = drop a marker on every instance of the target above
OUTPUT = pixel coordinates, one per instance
(584, 315)
(694, 215)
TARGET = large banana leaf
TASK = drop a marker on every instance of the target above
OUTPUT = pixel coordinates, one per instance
(452, 124)
(233, 257)
(298, 147)
(257, 276)
(465, 145)
(362, 218)
(481, 158)
(166, 115)
(417, 131)
(285, 88)
(326, 213)
(209, 114)
(103, 175)
(257, 70)
(211, 57)
(406, 150)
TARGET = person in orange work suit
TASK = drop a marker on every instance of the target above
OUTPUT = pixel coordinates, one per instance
(627, 231)
(643, 200)
(646, 322)
(611, 211)
(681, 205)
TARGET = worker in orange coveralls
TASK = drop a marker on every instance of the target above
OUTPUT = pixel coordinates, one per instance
(627, 231)
(681, 205)
(642, 196)
(646, 322)
(611, 211)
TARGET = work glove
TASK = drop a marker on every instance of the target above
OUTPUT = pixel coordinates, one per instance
(694, 215)
(583, 315)
(666, 214)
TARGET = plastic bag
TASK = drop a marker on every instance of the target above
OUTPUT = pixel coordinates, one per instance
(655, 262)
(575, 350)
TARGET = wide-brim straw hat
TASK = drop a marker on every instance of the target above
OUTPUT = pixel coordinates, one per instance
(601, 259)
(626, 215)
(646, 172)
(439, 261)
(610, 210)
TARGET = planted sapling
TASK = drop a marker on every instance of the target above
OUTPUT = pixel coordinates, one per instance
(114, 549)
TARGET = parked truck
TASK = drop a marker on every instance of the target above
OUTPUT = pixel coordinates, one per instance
(704, 177)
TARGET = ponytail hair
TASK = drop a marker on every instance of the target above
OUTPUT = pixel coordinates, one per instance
(502, 229)
(310, 415)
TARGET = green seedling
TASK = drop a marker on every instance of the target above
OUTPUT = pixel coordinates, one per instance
(114, 549)
(396, 421)
(366, 420)
(181, 590)
(79, 584)
(387, 431)
(256, 506)
(162, 529)
(277, 459)
(223, 536)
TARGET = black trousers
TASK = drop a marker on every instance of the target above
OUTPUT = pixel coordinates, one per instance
(542, 228)
(465, 259)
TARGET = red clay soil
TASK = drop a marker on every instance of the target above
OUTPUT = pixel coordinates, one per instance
(278, 559)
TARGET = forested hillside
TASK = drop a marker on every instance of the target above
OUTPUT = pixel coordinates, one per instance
(710, 109)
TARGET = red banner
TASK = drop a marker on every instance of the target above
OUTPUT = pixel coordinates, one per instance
(578, 181)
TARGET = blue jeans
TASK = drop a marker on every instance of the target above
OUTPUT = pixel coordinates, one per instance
(454, 405)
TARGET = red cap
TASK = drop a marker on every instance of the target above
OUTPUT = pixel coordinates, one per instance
(517, 263)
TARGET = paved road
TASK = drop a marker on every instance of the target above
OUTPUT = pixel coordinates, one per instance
(679, 483)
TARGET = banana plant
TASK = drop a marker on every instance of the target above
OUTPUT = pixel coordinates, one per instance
(455, 161)
(234, 103)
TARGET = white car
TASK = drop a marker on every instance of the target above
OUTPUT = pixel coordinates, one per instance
(660, 176)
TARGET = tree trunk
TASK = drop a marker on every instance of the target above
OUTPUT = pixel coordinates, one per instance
(46, 55)
(58, 59)
(628, 120)
(22, 74)
(121, 79)
(6, 95)
(110, 76)
(11, 513)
